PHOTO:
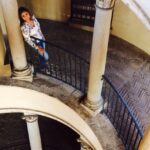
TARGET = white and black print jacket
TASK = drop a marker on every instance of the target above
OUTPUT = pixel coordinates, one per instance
(35, 31)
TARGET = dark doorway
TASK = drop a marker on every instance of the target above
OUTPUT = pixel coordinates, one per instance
(83, 12)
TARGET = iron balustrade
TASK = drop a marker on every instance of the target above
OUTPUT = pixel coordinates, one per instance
(73, 70)
(62, 65)
(83, 12)
(121, 116)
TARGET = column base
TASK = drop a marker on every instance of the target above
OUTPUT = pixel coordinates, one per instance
(25, 74)
(93, 108)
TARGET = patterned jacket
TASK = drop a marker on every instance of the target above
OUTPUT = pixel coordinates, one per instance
(28, 31)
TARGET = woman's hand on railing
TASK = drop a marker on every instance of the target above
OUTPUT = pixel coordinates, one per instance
(41, 50)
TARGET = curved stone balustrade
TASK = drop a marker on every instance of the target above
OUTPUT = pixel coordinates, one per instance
(29, 101)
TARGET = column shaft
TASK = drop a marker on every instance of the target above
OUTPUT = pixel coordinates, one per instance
(2, 22)
(4, 69)
(22, 71)
(34, 136)
(10, 12)
(98, 57)
(33, 131)
(2, 48)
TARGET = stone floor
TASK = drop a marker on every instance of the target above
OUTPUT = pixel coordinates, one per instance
(128, 67)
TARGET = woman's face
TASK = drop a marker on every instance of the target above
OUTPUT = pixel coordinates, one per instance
(25, 16)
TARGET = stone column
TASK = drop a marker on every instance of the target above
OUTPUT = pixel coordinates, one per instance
(22, 70)
(33, 131)
(2, 21)
(2, 48)
(99, 53)
(4, 69)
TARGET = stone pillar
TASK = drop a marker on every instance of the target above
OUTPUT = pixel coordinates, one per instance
(145, 143)
(33, 131)
(2, 48)
(4, 69)
(99, 53)
(22, 70)
(2, 21)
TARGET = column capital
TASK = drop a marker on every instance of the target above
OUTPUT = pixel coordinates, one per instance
(30, 118)
(105, 4)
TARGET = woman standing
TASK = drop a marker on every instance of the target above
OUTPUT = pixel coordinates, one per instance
(31, 32)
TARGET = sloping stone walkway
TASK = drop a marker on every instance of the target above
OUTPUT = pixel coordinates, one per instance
(128, 67)
(129, 70)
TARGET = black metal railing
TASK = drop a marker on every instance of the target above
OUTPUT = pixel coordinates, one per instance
(83, 12)
(121, 116)
(62, 65)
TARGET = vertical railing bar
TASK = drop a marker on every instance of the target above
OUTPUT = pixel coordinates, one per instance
(132, 136)
(119, 112)
(108, 99)
(111, 106)
(115, 109)
(136, 139)
(75, 72)
(104, 85)
(84, 73)
(85, 77)
(65, 68)
(139, 142)
(122, 120)
(124, 129)
(60, 65)
(128, 131)
(56, 65)
(70, 70)
(80, 74)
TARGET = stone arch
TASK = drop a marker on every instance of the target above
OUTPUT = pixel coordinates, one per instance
(17, 99)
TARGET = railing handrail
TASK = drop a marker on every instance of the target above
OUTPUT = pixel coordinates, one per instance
(125, 104)
(54, 45)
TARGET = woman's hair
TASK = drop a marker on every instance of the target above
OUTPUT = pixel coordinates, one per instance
(20, 11)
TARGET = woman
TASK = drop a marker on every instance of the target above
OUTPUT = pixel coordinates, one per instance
(31, 32)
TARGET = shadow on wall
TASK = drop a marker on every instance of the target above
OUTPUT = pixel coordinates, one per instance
(48, 9)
